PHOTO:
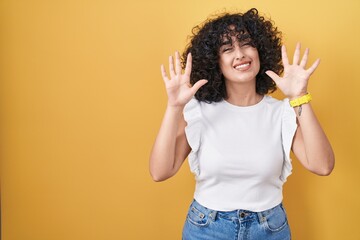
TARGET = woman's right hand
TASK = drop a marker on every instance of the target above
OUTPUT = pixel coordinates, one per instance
(178, 87)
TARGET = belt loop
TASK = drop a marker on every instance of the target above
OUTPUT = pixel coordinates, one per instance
(212, 215)
(261, 217)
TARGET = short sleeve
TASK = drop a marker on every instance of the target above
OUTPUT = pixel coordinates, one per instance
(192, 115)
(288, 129)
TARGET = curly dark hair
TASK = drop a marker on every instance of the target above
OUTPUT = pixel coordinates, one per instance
(207, 39)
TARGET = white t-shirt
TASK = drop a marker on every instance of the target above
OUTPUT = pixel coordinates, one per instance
(240, 155)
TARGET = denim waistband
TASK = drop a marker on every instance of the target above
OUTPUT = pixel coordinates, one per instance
(242, 215)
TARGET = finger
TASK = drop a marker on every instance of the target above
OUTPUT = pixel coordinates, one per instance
(171, 67)
(177, 63)
(304, 58)
(284, 56)
(163, 73)
(188, 65)
(297, 54)
(314, 66)
(198, 85)
(273, 76)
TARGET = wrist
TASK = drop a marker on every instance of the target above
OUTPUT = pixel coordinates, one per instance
(175, 108)
(296, 102)
(297, 96)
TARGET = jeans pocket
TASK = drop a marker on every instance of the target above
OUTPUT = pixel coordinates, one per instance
(275, 218)
(198, 216)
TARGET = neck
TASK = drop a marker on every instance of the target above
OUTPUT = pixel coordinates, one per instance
(242, 94)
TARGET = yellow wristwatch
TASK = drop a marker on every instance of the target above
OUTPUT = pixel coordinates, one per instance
(301, 100)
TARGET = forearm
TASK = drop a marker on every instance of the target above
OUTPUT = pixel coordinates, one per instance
(162, 157)
(318, 154)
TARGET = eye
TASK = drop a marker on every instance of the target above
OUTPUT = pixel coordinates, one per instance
(247, 44)
(227, 49)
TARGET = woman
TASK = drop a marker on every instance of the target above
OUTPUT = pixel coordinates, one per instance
(238, 137)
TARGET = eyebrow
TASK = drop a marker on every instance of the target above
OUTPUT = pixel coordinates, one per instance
(227, 42)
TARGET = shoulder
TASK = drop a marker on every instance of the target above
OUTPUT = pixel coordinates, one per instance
(195, 105)
(276, 103)
(280, 108)
(272, 101)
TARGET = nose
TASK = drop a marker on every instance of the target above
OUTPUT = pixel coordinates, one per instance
(238, 52)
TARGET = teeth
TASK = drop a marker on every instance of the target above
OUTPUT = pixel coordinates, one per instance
(242, 66)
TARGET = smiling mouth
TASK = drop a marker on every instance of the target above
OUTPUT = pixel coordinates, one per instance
(243, 66)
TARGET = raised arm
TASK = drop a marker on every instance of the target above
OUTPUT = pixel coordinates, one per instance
(171, 147)
(310, 144)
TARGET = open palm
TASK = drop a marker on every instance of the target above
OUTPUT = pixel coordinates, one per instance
(295, 79)
(178, 87)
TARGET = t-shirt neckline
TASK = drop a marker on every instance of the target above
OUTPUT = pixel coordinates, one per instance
(244, 108)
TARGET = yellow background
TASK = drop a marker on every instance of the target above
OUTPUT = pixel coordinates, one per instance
(82, 100)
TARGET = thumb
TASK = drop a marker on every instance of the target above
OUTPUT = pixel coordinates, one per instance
(198, 85)
(273, 76)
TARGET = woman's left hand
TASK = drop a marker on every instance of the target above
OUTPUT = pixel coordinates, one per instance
(295, 79)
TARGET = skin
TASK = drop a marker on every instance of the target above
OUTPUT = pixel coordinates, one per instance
(310, 144)
(239, 63)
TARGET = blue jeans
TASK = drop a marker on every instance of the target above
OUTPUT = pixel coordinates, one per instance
(206, 224)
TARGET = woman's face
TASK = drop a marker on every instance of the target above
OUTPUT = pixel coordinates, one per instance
(239, 62)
